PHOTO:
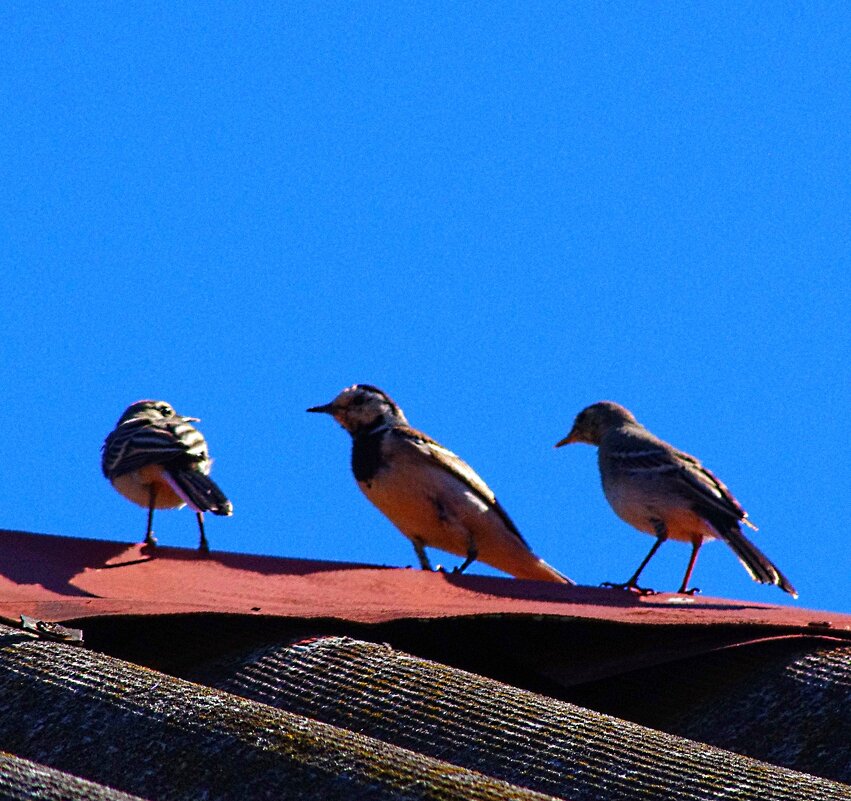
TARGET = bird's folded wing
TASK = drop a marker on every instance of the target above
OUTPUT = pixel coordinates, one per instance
(686, 474)
(453, 464)
(446, 460)
(710, 488)
(133, 446)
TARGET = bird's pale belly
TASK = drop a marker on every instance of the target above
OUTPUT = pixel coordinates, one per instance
(641, 509)
(135, 487)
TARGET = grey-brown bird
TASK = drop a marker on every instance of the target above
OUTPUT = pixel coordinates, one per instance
(158, 459)
(667, 493)
(433, 497)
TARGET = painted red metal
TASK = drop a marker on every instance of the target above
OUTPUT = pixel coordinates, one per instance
(60, 578)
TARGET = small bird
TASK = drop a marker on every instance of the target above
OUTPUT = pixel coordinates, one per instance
(665, 492)
(157, 459)
(432, 496)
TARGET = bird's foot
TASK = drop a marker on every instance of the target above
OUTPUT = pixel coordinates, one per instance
(692, 591)
(149, 544)
(629, 587)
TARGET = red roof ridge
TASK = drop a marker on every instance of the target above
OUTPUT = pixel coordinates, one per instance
(63, 578)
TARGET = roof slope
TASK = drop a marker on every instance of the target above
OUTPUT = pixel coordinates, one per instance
(521, 737)
(169, 739)
(21, 779)
(96, 577)
(242, 675)
(164, 738)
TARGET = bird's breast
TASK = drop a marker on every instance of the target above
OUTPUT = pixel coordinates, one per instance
(641, 501)
(423, 501)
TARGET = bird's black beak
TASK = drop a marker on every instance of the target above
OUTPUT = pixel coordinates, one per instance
(328, 408)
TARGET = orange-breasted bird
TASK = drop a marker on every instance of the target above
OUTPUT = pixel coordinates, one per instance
(433, 497)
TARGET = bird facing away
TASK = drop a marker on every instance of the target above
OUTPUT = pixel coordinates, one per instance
(157, 459)
(665, 492)
(434, 498)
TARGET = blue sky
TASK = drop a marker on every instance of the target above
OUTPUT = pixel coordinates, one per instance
(498, 213)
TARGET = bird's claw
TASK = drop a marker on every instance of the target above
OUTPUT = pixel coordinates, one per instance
(629, 587)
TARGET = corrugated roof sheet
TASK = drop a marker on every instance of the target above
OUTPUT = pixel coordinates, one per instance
(21, 780)
(558, 747)
(292, 676)
(163, 738)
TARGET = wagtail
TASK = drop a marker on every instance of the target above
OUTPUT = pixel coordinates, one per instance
(665, 492)
(433, 497)
(157, 459)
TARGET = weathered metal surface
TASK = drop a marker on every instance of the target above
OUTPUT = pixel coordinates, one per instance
(60, 579)
(22, 780)
(162, 738)
(521, 737)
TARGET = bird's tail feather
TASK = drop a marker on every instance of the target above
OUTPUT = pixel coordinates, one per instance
(549, 573)
(760, 567)
(534, 568)
(199, 491)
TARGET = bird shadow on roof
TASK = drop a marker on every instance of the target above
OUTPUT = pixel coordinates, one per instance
(44, 562)
(264, 565)
(596, 596)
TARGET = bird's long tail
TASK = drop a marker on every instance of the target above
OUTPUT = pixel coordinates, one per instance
(523, 565)
(760, 567)
(199, 491)
(543, 572)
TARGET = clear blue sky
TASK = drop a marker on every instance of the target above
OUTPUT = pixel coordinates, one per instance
(498, 213)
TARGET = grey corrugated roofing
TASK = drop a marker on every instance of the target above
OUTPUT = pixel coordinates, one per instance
(22, 780)
(531, 740)
(783, 701)
(163, 738)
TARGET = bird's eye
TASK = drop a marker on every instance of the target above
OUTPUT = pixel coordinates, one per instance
(358, 400)
(165, 410)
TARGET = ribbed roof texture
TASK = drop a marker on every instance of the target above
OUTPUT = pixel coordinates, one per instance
(217, 678)
(21, 780)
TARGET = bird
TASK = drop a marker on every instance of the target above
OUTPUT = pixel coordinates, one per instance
(433, 497)
(667, 493)
(159, 460)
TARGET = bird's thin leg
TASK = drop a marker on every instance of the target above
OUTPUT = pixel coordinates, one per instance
(695, 547)
(632, 583)
(150, 539)
(472, 554)
(425, 564)
(203, 545)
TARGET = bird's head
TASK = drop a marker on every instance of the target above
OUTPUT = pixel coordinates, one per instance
(152, 409)
(593, 422)
(362, 407)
